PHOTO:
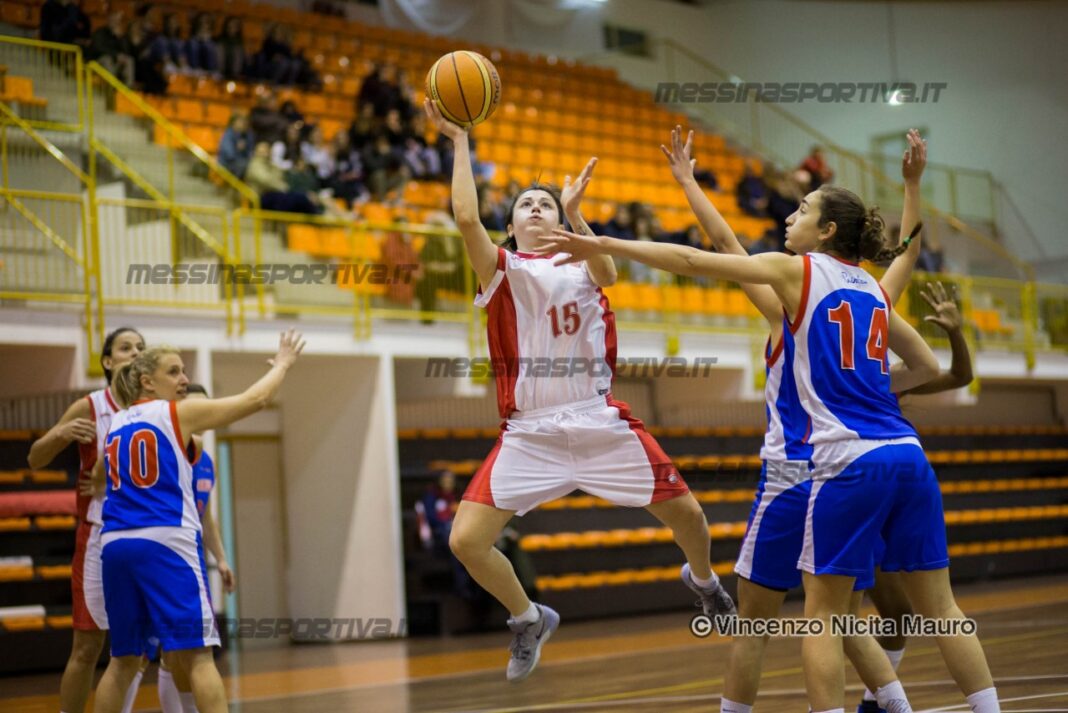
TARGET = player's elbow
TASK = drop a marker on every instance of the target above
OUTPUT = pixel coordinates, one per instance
(927, 368)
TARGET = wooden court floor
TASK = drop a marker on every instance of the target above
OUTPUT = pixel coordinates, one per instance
(642, 664)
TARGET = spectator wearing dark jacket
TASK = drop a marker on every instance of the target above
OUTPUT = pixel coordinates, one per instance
(201, 51)
(231, 44)
(64, 21)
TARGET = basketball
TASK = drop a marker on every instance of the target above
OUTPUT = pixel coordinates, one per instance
(465, 86)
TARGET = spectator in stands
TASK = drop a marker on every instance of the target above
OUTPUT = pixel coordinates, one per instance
(148, 73)
(402, 99)
(236, 146)
(370, 87)
(766, 243)
(752, 194)
(435, 511)
(384, 167)
(489, 212)
(347, 179)
(401, 260)
(290, 112)
(442, 260)
(422, 160)
(111, 47)
(705, 177)
(319, 154)
(276, 60)
(644, 229)
(784, 198)
(621, 225)
(286, 151)
(362, 131)
(266, 122)
(932, 257)
(231, 44)
(817, 168)
(168, 48)
(270, 182)
(202, 53)
(64, 21)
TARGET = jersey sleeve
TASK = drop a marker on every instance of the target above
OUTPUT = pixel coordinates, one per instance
(485, 297)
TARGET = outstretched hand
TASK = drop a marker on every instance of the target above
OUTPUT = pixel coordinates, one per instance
(571, 194)
(290, 345)
(679, 157)
(578, 247)
(915, 158)
(947, 314)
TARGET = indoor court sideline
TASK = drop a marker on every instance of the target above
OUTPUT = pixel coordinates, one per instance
(641, 664)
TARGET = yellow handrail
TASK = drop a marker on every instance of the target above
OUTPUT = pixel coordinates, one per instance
(173, 132)
(79, 76)
(10, 116)
(867, 168)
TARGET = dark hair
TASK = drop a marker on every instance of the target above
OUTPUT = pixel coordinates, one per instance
(196, 389)
(510, 244)
(859, 230)
(109, 344)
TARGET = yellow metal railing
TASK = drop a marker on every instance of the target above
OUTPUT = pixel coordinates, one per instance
(46, 240)
(53, 68)
(784, 139)
(374, 270)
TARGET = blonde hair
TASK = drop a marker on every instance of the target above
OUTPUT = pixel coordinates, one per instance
(126, 381)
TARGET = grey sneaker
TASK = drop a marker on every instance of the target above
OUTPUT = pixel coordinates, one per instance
(529, 638)
(714, 600)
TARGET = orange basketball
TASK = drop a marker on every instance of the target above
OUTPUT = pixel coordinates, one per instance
(465, 86)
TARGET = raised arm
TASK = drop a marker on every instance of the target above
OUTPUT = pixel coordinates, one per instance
(948, 317)
(716, 228)
(783, 272)
(203, 414)
(918, 365)
(602, 268)
(913, 162)
(481, 252)
(74, 425)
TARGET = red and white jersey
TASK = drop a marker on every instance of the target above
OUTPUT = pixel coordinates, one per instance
(102, 407)
(552, 336)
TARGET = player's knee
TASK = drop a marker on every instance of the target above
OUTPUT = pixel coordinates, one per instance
(87, 647)
(464, 546)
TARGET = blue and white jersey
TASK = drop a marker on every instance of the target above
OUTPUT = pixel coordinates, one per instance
(203, 482)
(839, 345)
(788, 423)
(150, 476)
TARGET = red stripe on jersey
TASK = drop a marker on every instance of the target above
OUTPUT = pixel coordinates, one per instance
(479, 490)
(503, 336)
(609, 318)
(178, 432)
(805, 284)
(83, 620)
(772, 356)
(86, 460)
(111, 402)
(667, 482)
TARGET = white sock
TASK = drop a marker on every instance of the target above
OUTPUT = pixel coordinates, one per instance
(189, 704)
(168, 692)
(131, 692)
(704, 583)
(530, 616)
(895, 656)
(728, 706)
(892, 698)
(985, 701)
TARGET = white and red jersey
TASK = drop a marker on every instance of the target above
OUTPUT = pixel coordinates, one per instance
(552, 335)
(102, 407)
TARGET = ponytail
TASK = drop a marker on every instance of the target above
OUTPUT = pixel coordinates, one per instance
(126, 380)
